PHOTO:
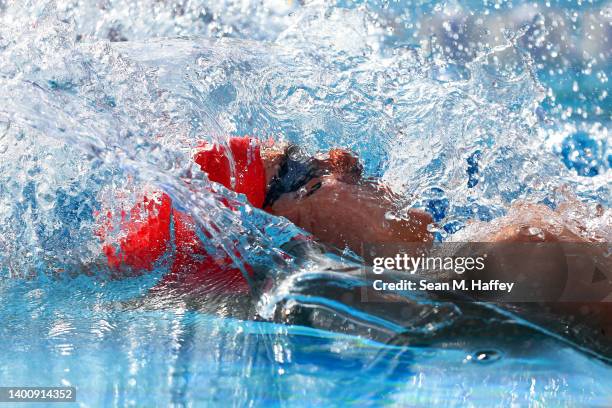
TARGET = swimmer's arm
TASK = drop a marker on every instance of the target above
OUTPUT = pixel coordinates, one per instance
(536, 223)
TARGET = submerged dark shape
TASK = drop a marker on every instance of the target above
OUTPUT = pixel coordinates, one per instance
(339, 297)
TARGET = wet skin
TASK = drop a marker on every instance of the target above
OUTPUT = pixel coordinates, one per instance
(344, 210)
(349, 215)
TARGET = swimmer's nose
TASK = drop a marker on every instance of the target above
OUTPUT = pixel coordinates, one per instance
(343, 163)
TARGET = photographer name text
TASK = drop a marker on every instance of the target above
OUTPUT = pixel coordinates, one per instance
(493, 285)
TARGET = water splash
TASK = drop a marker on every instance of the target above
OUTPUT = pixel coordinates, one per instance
(88, 122)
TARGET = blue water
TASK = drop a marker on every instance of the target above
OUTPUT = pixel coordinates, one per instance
(124, 357)
(461, 108)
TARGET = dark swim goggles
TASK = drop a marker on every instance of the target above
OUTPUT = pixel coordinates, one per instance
(296, 170)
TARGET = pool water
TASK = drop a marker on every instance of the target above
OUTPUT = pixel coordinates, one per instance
(180, 357)
(461, 107)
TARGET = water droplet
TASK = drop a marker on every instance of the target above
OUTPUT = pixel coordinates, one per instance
(390, 216)
(530, 231)
(485, 356)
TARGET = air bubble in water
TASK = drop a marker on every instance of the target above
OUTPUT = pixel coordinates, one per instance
(484, 357)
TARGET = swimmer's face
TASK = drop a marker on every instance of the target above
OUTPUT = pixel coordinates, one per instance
(337, 162)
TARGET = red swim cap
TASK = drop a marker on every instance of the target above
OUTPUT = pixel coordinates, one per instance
(148, 225)
(147, 228)
(149, 236)
(250, 176)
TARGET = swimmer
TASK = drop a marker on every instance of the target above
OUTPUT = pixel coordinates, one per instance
(326, 195)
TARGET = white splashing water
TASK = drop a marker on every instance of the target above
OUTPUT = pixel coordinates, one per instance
(89, 124)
